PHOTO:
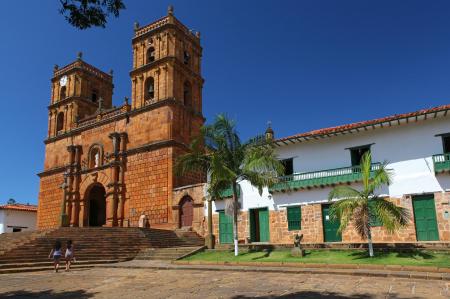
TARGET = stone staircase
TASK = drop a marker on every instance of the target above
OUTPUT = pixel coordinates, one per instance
(13, 240)
(93, 246)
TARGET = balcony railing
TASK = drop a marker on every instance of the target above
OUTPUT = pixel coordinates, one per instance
(321, 178)
(441, 162)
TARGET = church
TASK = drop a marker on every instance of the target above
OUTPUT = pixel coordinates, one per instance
(112, 166)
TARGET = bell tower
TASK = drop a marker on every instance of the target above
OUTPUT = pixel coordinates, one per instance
(166, 64)
(78, 90)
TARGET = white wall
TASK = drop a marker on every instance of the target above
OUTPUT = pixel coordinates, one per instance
(2, 221)
(18, 219)
(408, 149)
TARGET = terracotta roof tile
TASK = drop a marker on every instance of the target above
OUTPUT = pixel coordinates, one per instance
(347, 127)
(19, 207)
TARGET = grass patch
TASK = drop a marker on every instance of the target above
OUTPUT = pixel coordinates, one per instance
(406, 258)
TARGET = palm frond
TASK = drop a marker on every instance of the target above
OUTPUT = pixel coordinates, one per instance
(262, 159)
(343, 210)
(194, 160)
(381, 176)
(227, 128)
(392, 216)
(366, 168)
(343, 192)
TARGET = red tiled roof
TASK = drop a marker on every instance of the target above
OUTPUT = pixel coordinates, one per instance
(19, 207)
(357, 125)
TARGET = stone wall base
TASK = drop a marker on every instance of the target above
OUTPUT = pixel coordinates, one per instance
(312, 228)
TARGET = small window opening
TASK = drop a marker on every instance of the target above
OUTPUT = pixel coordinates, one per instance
(357, 154)
(150, 55)
(62, 93)
(94, 96)
(60, 122)
(16, 230)
(186, 57)
(187, 94)
(150, 88)
(288, 166)
(446, 144)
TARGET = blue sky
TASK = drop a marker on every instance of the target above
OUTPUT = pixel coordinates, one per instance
(301, 64)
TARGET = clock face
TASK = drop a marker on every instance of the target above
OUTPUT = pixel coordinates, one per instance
(63, 81)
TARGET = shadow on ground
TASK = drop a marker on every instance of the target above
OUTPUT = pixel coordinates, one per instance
(414, 254)
(79, 294)
(321, 295)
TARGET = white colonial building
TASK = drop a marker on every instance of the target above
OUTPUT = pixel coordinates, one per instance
(17, 218)
(417, 147)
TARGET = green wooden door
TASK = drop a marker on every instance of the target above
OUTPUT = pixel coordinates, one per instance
(264, 225)
(225, 228)
(425, 218)
(330, 228)
(259, 225)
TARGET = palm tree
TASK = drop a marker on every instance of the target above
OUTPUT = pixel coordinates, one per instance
(219, 152)
(362, 206)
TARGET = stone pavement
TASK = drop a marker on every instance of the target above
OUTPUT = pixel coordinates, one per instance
(326, 269)
(153, 283)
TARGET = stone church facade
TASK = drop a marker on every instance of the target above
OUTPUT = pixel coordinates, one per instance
(107, 165)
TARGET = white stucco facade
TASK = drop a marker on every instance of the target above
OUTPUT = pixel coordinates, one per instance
(19, 219)
(407, 146)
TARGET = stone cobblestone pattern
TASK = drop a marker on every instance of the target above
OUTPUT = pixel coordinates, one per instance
(145, 283)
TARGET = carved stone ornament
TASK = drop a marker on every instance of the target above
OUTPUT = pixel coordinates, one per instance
(94, 176)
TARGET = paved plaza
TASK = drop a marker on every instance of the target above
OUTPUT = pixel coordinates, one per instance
(149, 283)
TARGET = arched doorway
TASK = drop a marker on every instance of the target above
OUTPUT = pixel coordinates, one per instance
(97, 206)
(186, 211)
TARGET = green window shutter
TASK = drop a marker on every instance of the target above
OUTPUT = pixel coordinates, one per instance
(294, 218)
(374, 220)
(225, 228)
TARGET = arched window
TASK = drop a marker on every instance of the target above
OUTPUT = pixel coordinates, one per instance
(187, 93)
(60, 122)
(149, 88)
(150, 54)
(62, 93)
(95, 157)
(186, 57)
(94, 96)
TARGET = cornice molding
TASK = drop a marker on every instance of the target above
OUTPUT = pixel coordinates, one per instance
(164, 27)
(159, 62)
(139, 149)
(52, 171)
(70, 99)
(123, 115)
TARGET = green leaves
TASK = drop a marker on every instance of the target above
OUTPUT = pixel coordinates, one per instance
(84, 14)
(391, 216)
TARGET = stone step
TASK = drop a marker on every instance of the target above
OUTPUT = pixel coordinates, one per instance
(50, 263)
(93, 256)
(79, 256)
(47, 268)
(78, 247)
